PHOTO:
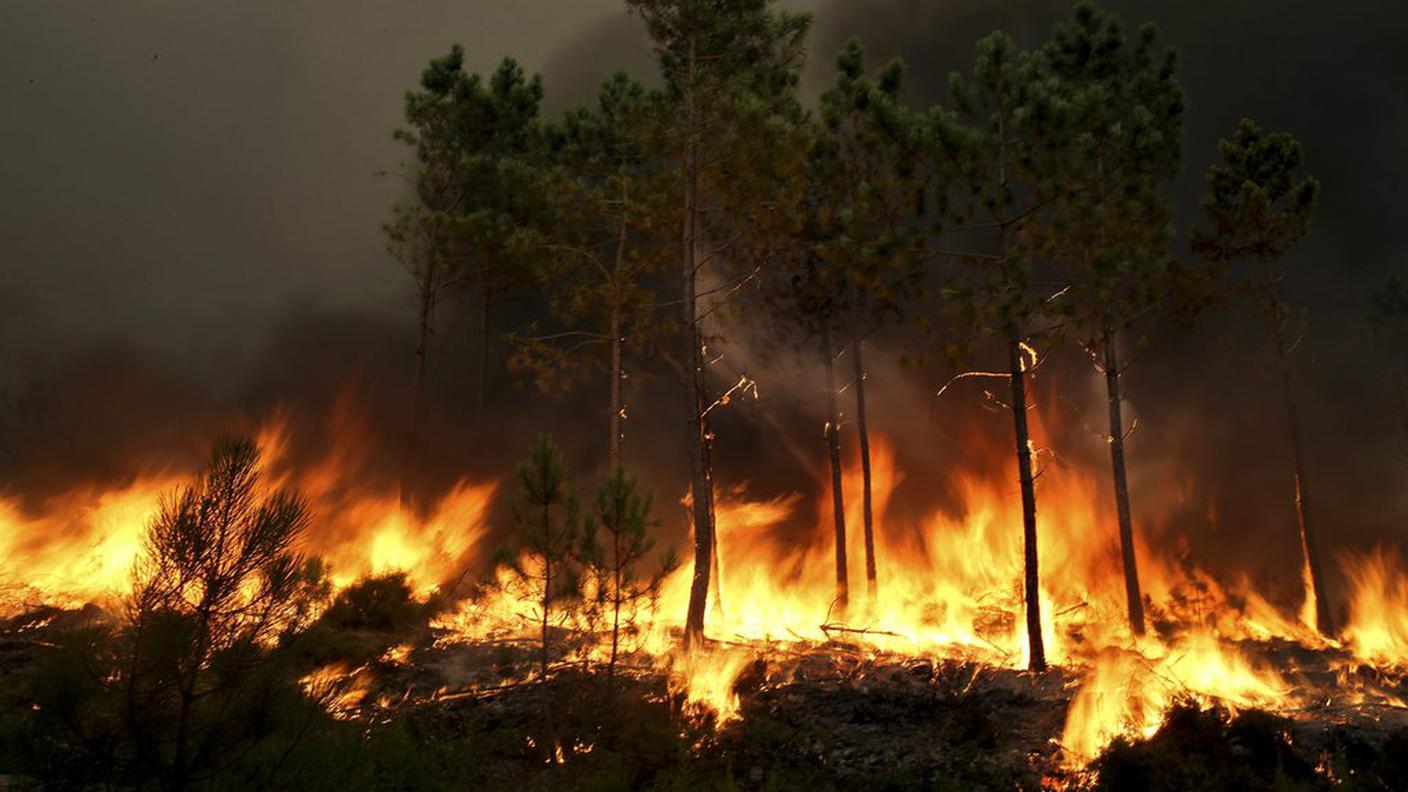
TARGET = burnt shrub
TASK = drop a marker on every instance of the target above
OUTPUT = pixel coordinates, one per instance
(1208, 749)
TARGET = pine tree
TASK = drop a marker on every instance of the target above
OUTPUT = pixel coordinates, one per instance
(730, 69)
(1125, 121)
(872, 192)
(844, 259)
(617, 540)
(478, 180)
(1258, 206)
(603, 240)
(549, 533)
(220, 580)
(420, 231)
(809, 294)
(999, 149)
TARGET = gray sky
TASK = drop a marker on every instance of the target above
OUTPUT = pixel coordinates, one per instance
(184, 175)
(174, 171)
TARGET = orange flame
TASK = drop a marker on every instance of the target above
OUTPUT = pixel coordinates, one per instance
(949, 584)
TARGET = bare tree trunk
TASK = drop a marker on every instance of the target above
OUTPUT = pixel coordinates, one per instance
(481, 385)
(616, 578)
(617, 371)
(716, 582)
(863, 433)
(546, 604)
(701, 480)
(614, 421)
(833, 447)
(1031, 581)
(547, 585)
(1310, 550)
(1133, 597)
(1031, 578)
(427, 305)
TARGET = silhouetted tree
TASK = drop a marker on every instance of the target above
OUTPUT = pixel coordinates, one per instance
(617, 540)
(604, 247)
(192, 678)
(871, 203)
(1126, 119)
(549, 534)
(999, 149)
(1258, 206)
(479, 196)
(841, 259)
(809, 295)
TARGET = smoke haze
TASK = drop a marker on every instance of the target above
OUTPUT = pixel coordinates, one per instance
(191, 217)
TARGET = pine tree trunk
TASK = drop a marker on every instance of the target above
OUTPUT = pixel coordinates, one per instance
(614, 449)
(186, 689)
(427, 302)
(701, 483)
(1031, 578)
(716, 581)
(1310, 551)
(863, 433)
(427, 305)
(481, 385)
(833, 447)
(617, 372)
(1133, 597)
(547, 584)
(617, 569)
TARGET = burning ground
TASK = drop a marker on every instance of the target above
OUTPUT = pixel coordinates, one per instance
(422, 628)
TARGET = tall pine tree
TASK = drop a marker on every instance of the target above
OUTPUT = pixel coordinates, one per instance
(730, 69)
(1112, 233)
(1258, 206)
(997, 152)
(604, 247)
(479, 193)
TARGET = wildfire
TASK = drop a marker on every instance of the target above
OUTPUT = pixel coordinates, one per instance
(1378, 608)
(80, 548)
(340, 690)
(949, 587)
(708, 679)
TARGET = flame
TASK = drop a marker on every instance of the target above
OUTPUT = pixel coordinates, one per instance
(949, 582)
(359, 530)
(339, 688)
(81, 546)
(709, 679)
(1127, 692)
(1378, 608)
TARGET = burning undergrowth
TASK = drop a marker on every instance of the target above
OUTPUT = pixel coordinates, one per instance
(425, 625)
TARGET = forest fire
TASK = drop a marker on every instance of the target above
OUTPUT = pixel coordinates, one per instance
(949, 590)
(757, 420)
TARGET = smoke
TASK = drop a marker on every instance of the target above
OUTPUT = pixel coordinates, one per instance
(191, 231)
(1209, 401)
